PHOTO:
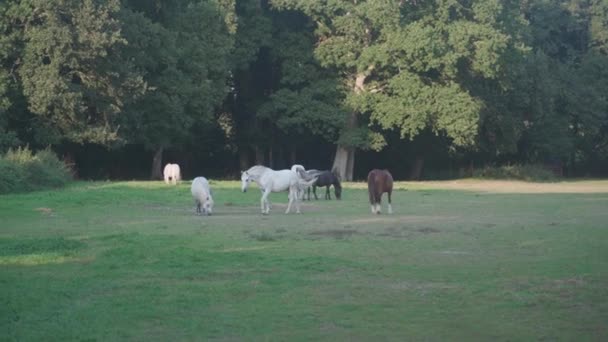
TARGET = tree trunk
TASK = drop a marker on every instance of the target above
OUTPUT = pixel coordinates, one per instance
(344, 161)
(157, 164)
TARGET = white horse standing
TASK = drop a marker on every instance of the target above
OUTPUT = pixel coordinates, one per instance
(275, 181)
(172, 173)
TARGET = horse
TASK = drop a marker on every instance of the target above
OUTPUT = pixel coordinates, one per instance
(307, 175)
(172, 173)
(203, 196)
(327, 179)
(379, 182)
(276, 181)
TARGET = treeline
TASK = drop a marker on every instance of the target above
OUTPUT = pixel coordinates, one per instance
(429, 89)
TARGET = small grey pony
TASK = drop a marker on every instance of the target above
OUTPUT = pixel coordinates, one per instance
(202, 194)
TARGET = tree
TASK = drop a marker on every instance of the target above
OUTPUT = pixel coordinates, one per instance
(306, 102)
(182, 51)
(405, 64)
(250, 80)
(68, 67)
(567, 117)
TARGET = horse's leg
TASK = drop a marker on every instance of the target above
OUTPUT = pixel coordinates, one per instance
(298, 206)
(292, 193)
(264, 202)
(390, 208)
(327, 194)
(314, 191)
(379, 203)
(372, 199)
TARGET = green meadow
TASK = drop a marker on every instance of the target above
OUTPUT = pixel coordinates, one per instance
(131, 261)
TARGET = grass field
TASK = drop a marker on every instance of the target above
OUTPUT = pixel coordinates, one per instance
(465, 260)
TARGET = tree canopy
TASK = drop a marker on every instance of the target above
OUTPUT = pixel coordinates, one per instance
(232, 82)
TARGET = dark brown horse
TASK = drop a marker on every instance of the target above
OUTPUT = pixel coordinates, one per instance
(326, 179)
(379, 182)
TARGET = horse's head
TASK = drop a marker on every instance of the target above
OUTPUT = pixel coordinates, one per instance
(245, 180)
(208, 206)
(338, 191)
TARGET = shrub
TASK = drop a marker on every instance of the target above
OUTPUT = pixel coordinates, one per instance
(21, 171)
(526, 172)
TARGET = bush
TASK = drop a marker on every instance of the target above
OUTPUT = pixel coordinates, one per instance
(21, 171)
(527, 172)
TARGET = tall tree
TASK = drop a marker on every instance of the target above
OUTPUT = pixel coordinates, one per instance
(567, 117)
(306, 103)
(68, 67)
(250, 80)
(182, 50)
(406, 63)
(8, 56)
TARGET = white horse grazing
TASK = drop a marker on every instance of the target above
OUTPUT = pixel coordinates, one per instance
(275, 181)
(172, 174)
(201, 192)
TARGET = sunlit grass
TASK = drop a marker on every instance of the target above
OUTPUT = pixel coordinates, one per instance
(36, 259)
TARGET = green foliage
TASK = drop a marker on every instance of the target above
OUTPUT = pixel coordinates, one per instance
(506, 80)
(70, 73)
(307, 101)
(22, 170)
(415, 61)
(525, 172)
(184, 60)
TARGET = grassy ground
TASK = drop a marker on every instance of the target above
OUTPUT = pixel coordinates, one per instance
(130, 261)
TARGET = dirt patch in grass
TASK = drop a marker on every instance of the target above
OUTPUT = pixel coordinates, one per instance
(394, 232)
(47, 211)
(428, 230)
(264, 236)
(336, 233)
(400, 219)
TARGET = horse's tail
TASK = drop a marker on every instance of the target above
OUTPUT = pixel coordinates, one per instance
(304, 183)
(307, 175)
(297, 168)
(371, 187)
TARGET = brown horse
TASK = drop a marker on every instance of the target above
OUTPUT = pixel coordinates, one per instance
(379, 182)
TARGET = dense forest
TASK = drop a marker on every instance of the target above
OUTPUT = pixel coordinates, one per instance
(426, 88)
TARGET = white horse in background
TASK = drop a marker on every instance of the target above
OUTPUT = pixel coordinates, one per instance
(172, 174)
(276, 181)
